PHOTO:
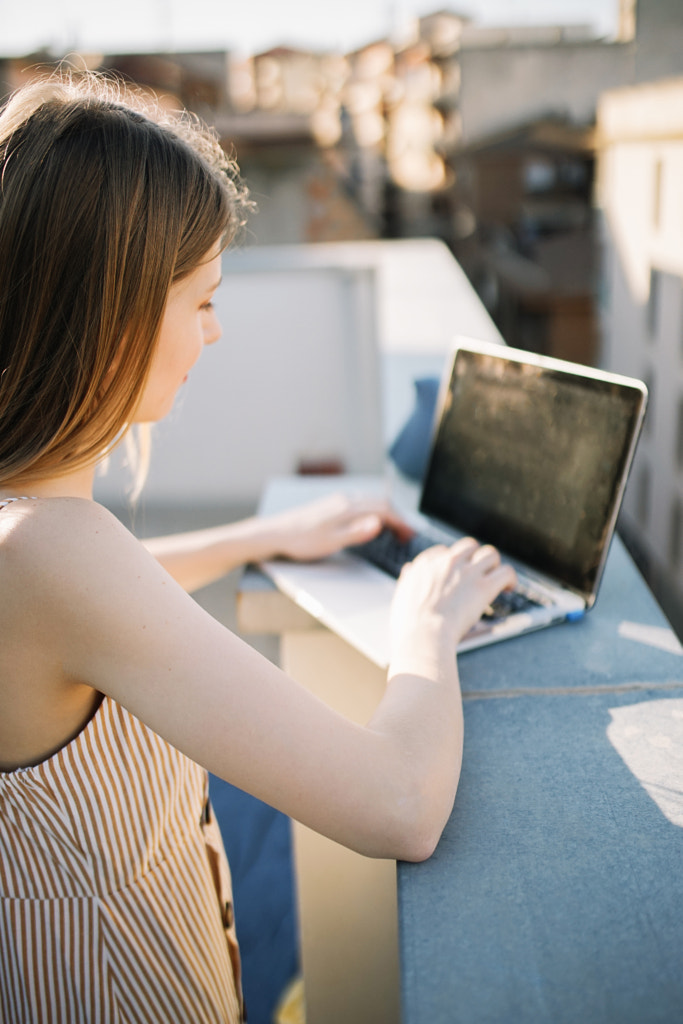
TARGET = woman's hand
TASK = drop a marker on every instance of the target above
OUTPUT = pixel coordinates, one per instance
(439, 597)
(304, 533)
(320, 528)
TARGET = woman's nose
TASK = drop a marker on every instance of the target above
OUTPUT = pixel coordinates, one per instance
(212, 330)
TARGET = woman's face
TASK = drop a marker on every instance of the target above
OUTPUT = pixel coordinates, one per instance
(189, 323)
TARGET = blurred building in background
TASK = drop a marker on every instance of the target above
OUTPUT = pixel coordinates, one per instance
(640, 182)
(480, 137)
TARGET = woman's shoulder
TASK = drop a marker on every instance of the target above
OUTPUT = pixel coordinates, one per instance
(32, 523)
(53, 558)
(44, 541)
(78, 579)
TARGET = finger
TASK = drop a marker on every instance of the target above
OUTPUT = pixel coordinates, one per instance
(466, 547)
(486, 555)
(391, 519)
(360, 529)
(432, 553)
(368, 504)
(500, 579)
(399, 526)
(457, 553)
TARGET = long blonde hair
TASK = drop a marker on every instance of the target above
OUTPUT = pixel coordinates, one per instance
(104, 203)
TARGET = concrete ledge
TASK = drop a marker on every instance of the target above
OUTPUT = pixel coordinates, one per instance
(262, 608)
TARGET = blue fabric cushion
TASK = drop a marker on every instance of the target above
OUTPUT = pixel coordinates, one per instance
(410, 450)
(258, 843)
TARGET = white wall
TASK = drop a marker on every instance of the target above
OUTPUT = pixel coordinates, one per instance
(321, 344)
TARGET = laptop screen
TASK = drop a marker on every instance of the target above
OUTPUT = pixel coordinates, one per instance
(532, 456)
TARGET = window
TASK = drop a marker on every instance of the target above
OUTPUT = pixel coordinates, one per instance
(539, 175)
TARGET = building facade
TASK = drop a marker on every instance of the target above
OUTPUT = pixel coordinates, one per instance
(640, 193)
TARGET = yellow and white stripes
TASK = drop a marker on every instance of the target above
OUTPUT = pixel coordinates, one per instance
(115, 900)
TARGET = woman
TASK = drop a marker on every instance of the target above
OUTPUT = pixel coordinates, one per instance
(115, 686)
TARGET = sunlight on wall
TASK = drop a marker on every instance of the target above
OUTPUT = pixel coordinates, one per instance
(649, 739)
(626, 214)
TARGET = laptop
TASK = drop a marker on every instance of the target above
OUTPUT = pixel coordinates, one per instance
(529, 453)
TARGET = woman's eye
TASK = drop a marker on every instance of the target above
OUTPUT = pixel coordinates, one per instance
(207, 306)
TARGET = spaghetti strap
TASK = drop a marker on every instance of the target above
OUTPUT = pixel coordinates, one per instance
(23, 497)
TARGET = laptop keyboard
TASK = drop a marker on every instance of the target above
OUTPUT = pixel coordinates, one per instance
(389, 553)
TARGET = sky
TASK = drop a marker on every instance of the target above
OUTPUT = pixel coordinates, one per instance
(251, 26)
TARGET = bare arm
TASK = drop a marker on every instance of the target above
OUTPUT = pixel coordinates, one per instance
(312, 531)
(116, 621)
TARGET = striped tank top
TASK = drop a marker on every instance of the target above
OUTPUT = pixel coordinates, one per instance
(115, 896)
